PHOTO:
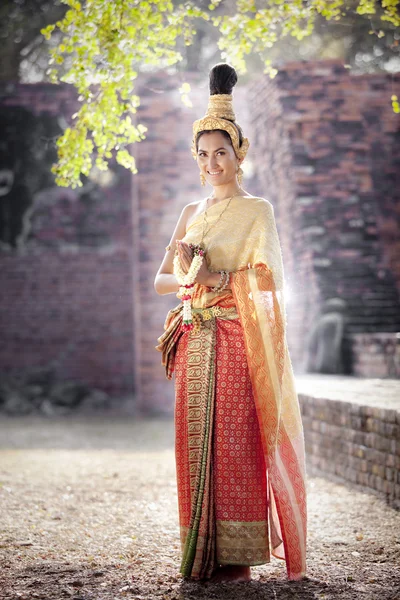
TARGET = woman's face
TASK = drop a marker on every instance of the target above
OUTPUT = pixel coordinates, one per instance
(216, 158)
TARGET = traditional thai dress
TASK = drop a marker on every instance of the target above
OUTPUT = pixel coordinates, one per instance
(239, 438)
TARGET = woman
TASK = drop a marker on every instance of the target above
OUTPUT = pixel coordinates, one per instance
(239, 437)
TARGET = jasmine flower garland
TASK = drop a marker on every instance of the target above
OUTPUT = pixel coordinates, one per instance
(187, 281)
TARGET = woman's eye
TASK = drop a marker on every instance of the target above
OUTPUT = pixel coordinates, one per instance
(221, 153)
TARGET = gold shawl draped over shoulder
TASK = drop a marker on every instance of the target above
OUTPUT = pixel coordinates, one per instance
(245, 242)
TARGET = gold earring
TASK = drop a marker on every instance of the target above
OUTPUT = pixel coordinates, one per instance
(240, 175)
(202, 179)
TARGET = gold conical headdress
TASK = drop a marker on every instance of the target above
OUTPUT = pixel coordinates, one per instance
(220, 115)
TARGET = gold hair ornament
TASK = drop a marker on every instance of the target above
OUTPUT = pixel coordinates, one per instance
(220, 115)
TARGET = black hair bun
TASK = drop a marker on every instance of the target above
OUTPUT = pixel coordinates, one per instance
(223, 79)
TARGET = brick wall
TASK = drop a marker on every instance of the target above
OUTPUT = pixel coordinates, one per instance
(85, 269)
(77, 285)
(328, 156)
(376, 353)
(66, 281)
(357, 443)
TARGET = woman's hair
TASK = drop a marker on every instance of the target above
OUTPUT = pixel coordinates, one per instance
(223, 78)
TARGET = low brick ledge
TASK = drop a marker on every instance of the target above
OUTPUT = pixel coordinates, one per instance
(352, 430)
(375, 354)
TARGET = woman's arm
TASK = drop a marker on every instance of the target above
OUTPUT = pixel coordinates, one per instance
(165, 281)
(211, 280)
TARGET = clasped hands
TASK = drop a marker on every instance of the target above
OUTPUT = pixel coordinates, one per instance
(185, 256)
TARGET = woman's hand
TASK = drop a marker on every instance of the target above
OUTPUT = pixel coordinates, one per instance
(204, 274)
(185, 256)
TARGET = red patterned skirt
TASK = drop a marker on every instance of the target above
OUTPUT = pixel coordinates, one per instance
(221, 471)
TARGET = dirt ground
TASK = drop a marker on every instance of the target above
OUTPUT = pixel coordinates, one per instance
(89, 511)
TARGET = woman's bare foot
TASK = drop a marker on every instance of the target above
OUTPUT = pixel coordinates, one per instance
(231, 573)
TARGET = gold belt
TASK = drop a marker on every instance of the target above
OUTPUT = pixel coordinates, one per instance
(205, 314)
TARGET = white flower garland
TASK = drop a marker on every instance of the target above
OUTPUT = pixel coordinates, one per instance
(187, 281)
(189, 277)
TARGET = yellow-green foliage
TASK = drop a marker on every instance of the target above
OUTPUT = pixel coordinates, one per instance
(108, 41)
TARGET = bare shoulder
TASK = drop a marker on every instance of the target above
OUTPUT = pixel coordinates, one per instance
(192, 206)
(192, 210)
(187, 212)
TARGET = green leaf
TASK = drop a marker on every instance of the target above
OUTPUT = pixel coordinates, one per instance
(106, 41)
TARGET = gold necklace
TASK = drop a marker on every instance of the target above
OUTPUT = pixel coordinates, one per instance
(205, 218)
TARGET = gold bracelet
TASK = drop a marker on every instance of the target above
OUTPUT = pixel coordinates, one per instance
(223, 282)
(168, 247)
(217, 287)
(226, 282)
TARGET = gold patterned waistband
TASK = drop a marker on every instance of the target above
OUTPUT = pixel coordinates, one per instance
(205, 314)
